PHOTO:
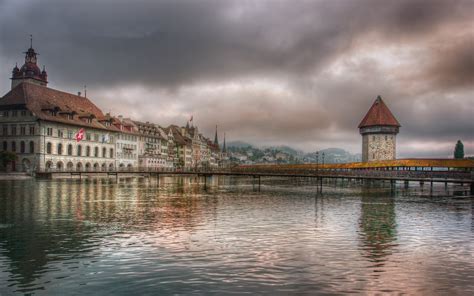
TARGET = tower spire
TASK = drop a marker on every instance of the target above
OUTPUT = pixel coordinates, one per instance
(216, 140)
(30, 71)
(224, 149)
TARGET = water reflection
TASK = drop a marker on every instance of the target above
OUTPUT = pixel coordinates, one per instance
(172, 235)
(378, 233)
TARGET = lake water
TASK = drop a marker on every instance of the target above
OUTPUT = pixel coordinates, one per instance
(173, 236)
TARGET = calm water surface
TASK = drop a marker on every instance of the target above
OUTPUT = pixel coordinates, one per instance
(133, 237)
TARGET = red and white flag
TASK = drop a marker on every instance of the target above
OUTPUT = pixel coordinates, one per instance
(80, 135)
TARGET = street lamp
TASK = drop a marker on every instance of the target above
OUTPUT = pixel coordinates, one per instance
(317, 161)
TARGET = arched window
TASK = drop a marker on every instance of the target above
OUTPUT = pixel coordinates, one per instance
(111, 152)
(13, 146)
(22, 147)
(96, 151)
(49, 147)
(69, 149)
(88, 151)
(5, 145)
(79, 150)
(32, 147)
(60, 149)
(104, 152)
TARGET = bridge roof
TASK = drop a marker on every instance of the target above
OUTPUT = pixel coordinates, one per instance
(412, 162)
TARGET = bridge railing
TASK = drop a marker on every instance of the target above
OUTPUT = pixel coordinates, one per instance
(364, 173)
(289, 172)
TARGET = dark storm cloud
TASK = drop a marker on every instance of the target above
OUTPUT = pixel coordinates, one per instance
(172, 50)
(174, 42)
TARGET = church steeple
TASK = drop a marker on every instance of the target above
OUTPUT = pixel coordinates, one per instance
(224, 148)
(29, 71)
(216, 140)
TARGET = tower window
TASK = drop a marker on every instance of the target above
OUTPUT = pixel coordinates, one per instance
(385, 138)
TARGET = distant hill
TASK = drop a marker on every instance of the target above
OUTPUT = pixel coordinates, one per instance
(242, 152)
(287, 149)
(239, 144)
(333, 155)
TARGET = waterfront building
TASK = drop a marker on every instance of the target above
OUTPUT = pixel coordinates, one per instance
(127, 143)
(40, 124)
(379, 129)
(150, 141)
(49, 129)
(182, 148)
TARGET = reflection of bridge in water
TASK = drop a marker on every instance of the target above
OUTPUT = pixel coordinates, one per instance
(405, 170)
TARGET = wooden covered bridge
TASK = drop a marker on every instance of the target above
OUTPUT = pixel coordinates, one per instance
(459, 171)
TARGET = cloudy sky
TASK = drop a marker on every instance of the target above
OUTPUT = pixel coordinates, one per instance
(300, 73)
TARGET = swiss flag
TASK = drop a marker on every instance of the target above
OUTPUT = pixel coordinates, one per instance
(80, 135)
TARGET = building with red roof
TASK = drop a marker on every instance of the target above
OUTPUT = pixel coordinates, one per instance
(379, 129)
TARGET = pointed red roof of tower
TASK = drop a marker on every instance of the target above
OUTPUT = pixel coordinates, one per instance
(379, 114)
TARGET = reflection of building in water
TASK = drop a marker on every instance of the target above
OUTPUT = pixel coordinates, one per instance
(377, 226)
(38, 227)
(49, 222)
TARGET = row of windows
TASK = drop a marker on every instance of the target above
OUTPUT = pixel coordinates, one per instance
(70, 134)
(13, 147)
(14, 130)
(126, 155)
(15, 113)
(127, 137)
(126, 146)
(69, 151)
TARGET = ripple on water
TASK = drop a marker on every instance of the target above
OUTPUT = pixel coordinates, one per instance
(134, 237)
